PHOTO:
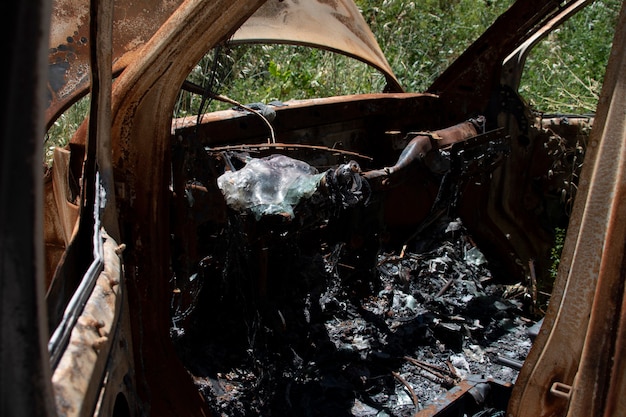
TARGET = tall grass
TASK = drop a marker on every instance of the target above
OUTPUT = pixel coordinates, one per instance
(64, 127)
(420, 39)
(564, 73)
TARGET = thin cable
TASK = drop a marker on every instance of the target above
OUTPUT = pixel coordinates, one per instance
(208, 93)
(228, 100)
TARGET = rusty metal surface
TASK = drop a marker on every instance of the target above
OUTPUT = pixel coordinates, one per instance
(66, 207)
(592, 386)
(60, 212)
(134, 23)
(53, 233)
(143, 99)
(69, 279)
(77, 378)
(515, 205)
(100, 108)
(118, 396)
(578, 342)
(616, 389)
(441, 405)
(464, 396)
(335, 25)
(417, 149)
(296, 121)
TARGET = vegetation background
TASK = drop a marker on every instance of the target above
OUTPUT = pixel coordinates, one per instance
(420, 39)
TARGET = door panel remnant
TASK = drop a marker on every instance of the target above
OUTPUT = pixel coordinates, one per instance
(297, 22)
(579, 348)
(136, 22)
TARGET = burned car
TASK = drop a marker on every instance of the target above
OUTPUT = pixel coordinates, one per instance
(368, 255)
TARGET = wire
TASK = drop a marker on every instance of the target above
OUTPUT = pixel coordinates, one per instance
(209, 93)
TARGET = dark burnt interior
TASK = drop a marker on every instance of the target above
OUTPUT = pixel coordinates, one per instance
(363, 309)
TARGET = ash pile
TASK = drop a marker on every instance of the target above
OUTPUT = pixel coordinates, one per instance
(293, 319)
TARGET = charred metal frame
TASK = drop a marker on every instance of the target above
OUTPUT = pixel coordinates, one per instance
(25, 387)
(576, 366)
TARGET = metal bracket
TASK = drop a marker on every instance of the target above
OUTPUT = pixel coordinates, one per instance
(562, 390)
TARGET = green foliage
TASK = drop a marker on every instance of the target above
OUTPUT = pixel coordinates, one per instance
(420, 39)
(64, 127)
(564, 73)
(263, 73)
(555, 252)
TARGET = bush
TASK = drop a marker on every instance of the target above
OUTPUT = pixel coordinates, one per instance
(409, 35)
(420, 39)
(564, 73)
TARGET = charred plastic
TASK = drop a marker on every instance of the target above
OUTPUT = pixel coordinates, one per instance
(291, 296)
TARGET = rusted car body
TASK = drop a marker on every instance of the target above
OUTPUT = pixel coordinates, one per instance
(86, 322)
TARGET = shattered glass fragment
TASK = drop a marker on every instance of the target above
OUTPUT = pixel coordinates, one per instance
(360, 409)
(475, 257)
(403, 301)
(461, 366)
(402, 397)
(454, 226)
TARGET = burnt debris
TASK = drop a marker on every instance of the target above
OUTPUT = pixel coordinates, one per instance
(320, 341)
(302, 306)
